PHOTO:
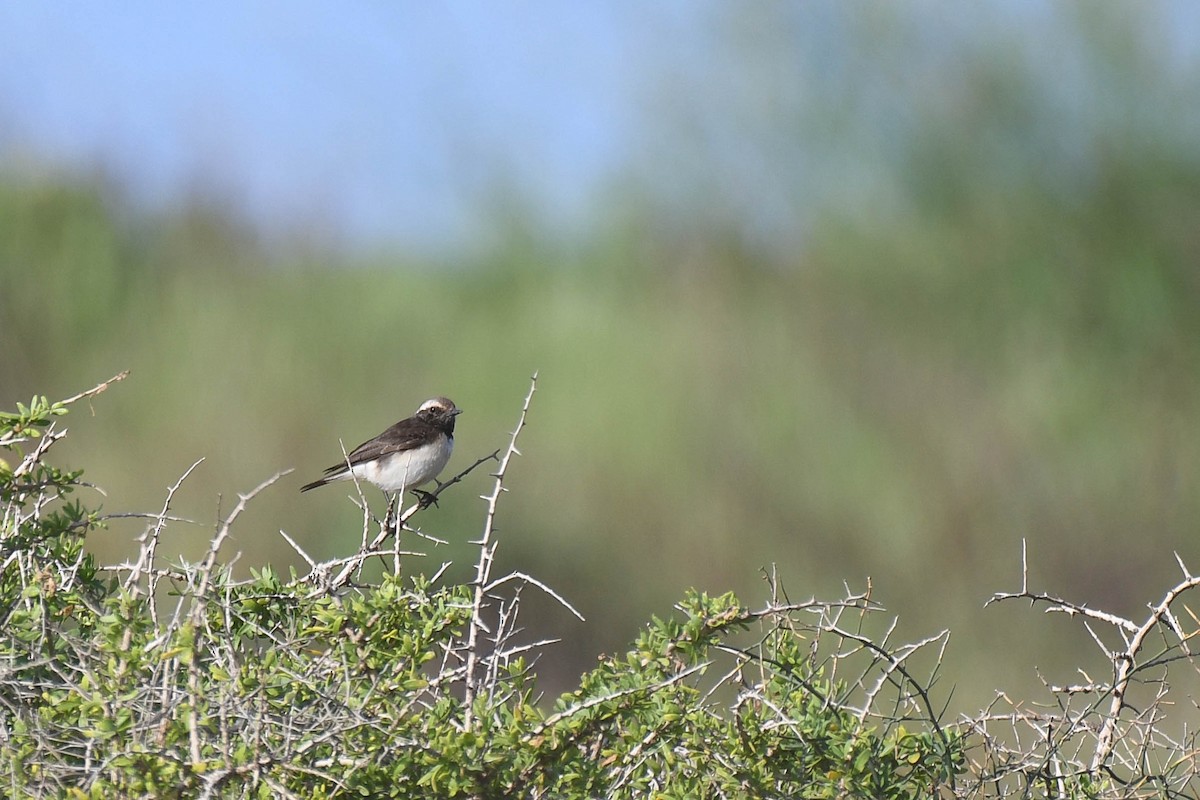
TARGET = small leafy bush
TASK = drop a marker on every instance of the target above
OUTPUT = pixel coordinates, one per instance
(151, 679)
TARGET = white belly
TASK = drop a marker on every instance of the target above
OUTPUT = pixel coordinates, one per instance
(412, 468)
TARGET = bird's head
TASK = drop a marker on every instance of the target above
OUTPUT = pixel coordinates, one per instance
(440, 411)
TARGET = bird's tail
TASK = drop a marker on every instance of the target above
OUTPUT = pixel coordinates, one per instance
(314, 484)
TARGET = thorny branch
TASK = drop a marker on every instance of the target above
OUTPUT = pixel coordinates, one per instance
(487, 551)
(1111, 731)
(1103, 724)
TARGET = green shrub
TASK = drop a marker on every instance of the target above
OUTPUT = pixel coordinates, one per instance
(175, 680)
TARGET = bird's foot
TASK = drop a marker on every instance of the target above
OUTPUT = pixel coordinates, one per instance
(425, 499)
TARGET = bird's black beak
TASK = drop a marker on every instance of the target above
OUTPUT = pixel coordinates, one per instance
(456, 412)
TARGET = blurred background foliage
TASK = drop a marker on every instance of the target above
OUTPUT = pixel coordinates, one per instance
(935, 301)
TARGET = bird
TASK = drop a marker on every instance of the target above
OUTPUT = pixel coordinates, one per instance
(407, 455)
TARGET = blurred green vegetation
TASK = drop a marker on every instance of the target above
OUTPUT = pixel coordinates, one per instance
(1002, 346)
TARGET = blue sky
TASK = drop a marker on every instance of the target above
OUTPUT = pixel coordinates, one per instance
(378, 119)
(381, 122)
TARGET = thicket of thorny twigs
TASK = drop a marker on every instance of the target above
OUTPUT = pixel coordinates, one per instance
(155, 678)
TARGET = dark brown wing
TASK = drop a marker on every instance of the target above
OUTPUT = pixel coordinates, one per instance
(404, 435)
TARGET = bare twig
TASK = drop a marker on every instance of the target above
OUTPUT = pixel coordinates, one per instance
(521, 576)
(487, 551)
(1126, 665)
(148, 541)
(98, 388)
